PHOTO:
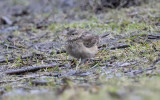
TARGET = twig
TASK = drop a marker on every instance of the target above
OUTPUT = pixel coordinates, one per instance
(40, 82)
(116, 47)
(10, 46)
(154, 37)
(32, 69)
(120, 46)
(104, 35)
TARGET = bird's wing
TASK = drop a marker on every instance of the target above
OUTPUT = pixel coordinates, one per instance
(90, 40)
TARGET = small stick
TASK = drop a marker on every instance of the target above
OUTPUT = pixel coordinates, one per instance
(31, 69)
(120, 46)
(116, 47)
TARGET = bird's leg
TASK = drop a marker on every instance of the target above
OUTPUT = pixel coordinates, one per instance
(78, 63)
(84, 61)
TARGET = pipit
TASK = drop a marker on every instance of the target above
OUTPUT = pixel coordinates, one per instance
(81, 44)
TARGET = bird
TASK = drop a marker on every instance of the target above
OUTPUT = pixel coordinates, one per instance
(81, 44)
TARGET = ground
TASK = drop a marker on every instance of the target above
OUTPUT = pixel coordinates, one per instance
(126, 67)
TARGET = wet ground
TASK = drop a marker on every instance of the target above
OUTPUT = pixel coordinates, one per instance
(34, 64)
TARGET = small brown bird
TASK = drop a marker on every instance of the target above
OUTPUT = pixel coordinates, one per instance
(81, 44)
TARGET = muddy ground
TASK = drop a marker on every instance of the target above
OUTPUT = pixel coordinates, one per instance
(34, 64)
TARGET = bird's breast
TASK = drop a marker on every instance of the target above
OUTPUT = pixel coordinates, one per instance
(78, 50)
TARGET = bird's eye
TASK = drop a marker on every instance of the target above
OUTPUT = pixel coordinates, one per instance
(72, 34)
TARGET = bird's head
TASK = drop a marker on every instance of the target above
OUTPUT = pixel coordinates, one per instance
(74, 34)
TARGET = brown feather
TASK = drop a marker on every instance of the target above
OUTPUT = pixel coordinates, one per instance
(90, 40)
